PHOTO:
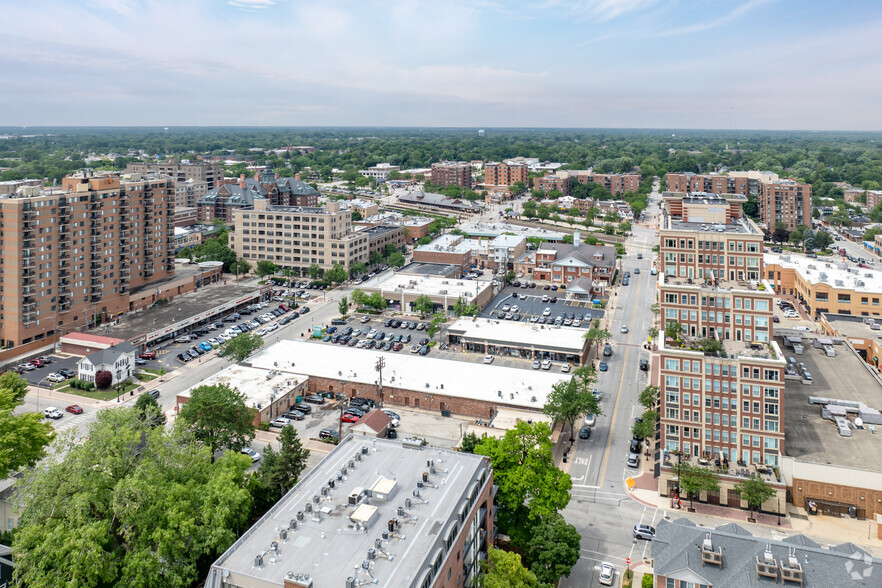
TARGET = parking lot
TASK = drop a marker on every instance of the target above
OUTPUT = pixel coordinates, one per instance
(529, 302)
(38, 375)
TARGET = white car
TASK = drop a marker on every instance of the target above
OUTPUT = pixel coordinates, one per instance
(546, 312)
(280, 422)
(251, 453)
(546, 364)
(52, 413)
(624, 328)
(214, 342)
(505, 308)
(514, 308)
(261, 332)
(184, 339)
(607, 574)
(590, 420)
(272, 326)
(488, 359)
(56, 378)
(361, 343)
(565, 368)
(365, 319)
(545, 298)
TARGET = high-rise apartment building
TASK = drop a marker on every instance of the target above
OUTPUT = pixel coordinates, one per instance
(188, 192)
(75, 252)
(721, 376)
(446, 173)
(298, 236)
(785, 201)
(504, 174)
(558, 181)
(182, 170)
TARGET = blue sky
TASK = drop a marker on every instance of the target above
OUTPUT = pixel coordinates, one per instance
(739, 64)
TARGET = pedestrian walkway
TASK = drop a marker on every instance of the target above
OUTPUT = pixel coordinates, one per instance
(822, 529)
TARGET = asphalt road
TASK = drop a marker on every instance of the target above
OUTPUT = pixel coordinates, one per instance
(600, 507)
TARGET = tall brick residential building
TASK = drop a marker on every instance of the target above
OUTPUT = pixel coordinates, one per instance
(498, 175)
(446, 173)
(233, 194)
(618, 183)
(559, 181)
(182, 170)
(78, 251)
(720, 375)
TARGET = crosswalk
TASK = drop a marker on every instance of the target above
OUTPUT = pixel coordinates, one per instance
(593, 494)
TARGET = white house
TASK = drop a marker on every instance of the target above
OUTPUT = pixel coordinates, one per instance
(119, 360)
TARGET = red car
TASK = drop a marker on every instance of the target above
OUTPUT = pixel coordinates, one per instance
(148, 355)
(74, 409)
(37, 361)
(349, 418)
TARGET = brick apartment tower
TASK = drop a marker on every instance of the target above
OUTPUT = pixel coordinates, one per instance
(505, 173)
(458, 173)
(76, 252)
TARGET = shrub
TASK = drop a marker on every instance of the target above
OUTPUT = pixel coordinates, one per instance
(647, 581)
(103, 379)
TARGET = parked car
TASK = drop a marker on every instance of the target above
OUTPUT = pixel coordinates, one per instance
(585, 432)
(633, 459)
(303, 407)
(644, 532)
(590, 420)
(205, 346)
(607, 350)
(148, 355)
(52, 413)
(67, 373)
(294, 415)
(183, 358)
(251, 453)
(329, 435)
(280, 422)
(74, 409)
(644, 365)
(607, 574)
(395, 418)
(338, 321)
(488, 359)
(56, 378)
(349, 417)
(546, 364)
(314, 399)
(603, 367)
(424, 350)
(537, 364)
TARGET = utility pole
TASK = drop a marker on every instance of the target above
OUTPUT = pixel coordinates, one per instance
(381, 363)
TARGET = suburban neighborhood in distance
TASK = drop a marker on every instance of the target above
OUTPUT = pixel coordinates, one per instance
(441, 295)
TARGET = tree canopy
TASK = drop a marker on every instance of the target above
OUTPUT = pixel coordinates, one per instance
(241, 346)
(570, 399)
(23, 437)
(217, 416)
(503, 569)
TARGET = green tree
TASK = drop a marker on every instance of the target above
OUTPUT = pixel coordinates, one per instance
(529, 209)
(464, 308)
(649, 397)
(597, 336)
(553, 549)
(215, 250)
(357, 216)
(23, 436)
(870, 234)
(696, 479)
(314, 271)
(574, 211)
(278, 472)
(149, 411)
(343, 306)
(503, 569)
(240, 267)
(266, 268)
(396, 259)
(469, 442)
(356, 269)
(132, 505)
(376, 301)
(241, 346)
(357, 297)
(217, 416)
(530, 483)
(755, 491)
(509, 277)
(673, 330)
(569, 400)
(823, 239)
(337, 274)
(423, 305)
(647, 581)
(645, 429)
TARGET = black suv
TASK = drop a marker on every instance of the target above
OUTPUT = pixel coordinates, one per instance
(303, 407)
(329, 435)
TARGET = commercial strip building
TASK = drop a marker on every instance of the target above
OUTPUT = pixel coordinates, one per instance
(481, 229)
(222, 201)
(379, 172)
(267, 392)
(297, 237)
(825, 286)
(181, 170)
(400, 290)
(374, 511)
(517, 339)
(448, 249)
(80, 251)
(456, 173)
(688, 555)
(437, 203)
(471, 390)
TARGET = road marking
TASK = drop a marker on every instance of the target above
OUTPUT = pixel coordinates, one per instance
(605, 555)
(612, 424)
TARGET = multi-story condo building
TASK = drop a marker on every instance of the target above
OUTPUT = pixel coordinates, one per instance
(182, 170)
(785, 201)
(746, 183)
(721, 375)
(76, 252)
(446, 173)
(297, 237)
(505, 173)
(618, 183)
(188, 192)
(374, 511)
(707, 237)
(558, 181)
(12, 186)
(232, 194)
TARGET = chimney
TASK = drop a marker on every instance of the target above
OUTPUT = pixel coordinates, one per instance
(296, 176)
(242, 177)
(257, 176)
(277, 175)
(242, 182)
(576, 238)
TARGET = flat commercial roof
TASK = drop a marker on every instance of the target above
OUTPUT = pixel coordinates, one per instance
(854, 327)
(331, 542)
(813, 439)
(260, 386)
(419, 373)
(485, 229)
(836, 274)
(397, 284)
(519, 334)
(740, 227)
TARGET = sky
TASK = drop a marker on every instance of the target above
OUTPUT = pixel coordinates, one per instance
(719, 64)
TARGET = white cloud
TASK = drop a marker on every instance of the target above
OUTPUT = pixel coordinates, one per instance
(713, 23)
(252, 4)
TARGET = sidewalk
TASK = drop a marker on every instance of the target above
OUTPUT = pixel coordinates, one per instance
(795, 520)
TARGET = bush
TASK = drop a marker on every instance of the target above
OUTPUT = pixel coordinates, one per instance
(647, 581)
(77, 384)
(103, 379)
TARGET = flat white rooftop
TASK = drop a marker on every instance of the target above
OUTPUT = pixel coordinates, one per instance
(256, 384)
(832, 272)
(398, 284)
(485, 229)
(519, 334)
(412, 372)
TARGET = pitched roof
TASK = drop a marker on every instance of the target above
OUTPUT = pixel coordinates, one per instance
(109, 355)
(376, 420)
(676, 551)
(581, 255)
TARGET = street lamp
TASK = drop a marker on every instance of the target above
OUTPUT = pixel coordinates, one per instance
(779, 511)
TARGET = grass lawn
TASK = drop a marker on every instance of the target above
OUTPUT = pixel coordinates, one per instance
(108, 394)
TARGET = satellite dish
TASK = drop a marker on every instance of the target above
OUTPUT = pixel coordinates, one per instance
(858, 422)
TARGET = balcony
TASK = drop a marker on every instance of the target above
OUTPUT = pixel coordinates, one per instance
(95, 298)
